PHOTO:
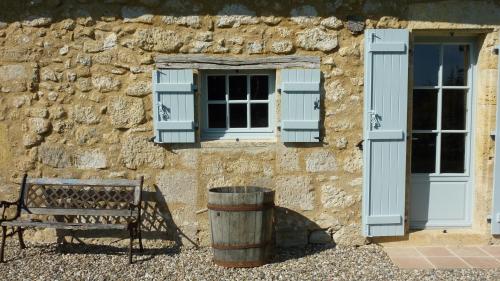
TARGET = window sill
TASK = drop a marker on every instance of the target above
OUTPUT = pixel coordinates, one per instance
(232, 143)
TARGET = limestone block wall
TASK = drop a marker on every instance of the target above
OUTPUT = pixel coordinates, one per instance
(75, 101)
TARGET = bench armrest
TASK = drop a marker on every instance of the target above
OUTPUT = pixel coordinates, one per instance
(5, 205)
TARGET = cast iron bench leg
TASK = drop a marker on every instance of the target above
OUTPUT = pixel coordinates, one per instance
(131, 230)
(2, 247)
(139, 234)
(21, 240)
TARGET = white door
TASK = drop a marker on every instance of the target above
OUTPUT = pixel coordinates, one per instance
(441, 188)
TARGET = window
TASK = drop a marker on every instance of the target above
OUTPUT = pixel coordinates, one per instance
(441, 103)
(238, 105)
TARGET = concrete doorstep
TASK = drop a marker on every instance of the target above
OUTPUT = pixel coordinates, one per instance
(428, 257)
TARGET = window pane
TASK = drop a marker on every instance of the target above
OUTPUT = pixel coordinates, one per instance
(426, 65)
(216, 87)
(217, 116)
(238, 115)
(424, 109)
(423, 155)
(259, 116)
(454, 109)
(455, 63)
(453, 153)
(238, 87)
(259, 89)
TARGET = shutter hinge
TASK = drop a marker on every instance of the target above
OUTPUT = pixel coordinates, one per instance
(279, 90)
(495, 49)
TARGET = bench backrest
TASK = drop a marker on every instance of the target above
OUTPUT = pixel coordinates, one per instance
(81, 197)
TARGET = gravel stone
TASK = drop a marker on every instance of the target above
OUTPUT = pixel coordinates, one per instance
(320, 262)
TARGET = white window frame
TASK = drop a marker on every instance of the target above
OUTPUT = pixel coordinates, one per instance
(238, 133)
(469, 87)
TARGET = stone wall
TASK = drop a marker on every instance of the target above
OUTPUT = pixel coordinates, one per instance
(75, 101)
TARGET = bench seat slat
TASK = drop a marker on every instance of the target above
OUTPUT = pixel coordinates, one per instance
(81, 212)
(83, 182)
(63, 225)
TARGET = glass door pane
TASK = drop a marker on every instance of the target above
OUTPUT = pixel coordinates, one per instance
(423, 153)
(424, 109)
(453, 153)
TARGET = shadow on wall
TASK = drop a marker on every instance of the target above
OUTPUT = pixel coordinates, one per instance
(157, 224)
(295, 230)
(452, 11)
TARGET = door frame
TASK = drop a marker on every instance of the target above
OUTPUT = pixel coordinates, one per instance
(468, 176)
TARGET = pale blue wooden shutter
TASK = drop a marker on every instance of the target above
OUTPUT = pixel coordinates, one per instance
(300, 105)
(173, 106)
(385, 117)
(495, 214)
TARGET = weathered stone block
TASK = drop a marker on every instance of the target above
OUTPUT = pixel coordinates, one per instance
(126, 112)
(295, 192)
(139, 151)
(349, 235)
(234, 15)
(321, 161)
(317, 39)
(320, 237)
(160, 40)
(54, 155)
(40, 112)
(353, 162)
(109, 41)
(37, 21)
(334, 197)
(255, 47)
(106, 84)
(86, 115)
(139, 89)
(178, 186)
(31, 139)
(190, 21)
(332, 22)
(288, 160)
(84, 84)
(39, 125)
(282, 47)
(13, 72)
(91, 159)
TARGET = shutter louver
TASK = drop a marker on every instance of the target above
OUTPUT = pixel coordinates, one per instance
(300, 105)
(385, 117)
(173, 106)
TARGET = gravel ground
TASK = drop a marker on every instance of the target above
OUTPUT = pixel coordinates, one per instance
(92, 262)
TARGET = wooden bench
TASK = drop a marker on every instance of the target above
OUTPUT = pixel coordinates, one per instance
(75, 204)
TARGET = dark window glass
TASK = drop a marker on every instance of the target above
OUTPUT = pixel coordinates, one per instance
(216, 87)
(454, 109)
(452, 153)
(238, 87)
(426, 65)
(423, 157)
(237, 115)
(217, 116)
(259, 116)
(455, 60)
(424, 109)
(259, 88)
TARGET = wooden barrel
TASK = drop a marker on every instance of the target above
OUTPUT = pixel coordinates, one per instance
(241, 221)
